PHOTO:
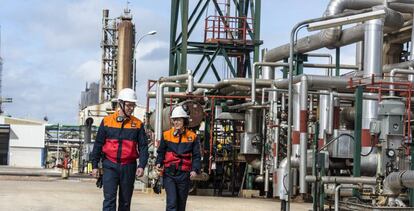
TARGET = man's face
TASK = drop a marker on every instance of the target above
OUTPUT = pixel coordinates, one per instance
(178, 123)
(129, 108)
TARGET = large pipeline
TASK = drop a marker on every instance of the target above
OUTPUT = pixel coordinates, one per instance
(335, 37)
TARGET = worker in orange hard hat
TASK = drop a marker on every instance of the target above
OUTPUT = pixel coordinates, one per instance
(120, 140)
(179, 156)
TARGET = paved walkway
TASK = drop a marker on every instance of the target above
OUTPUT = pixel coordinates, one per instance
(54, 194)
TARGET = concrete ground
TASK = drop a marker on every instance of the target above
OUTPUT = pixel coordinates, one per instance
(52, 193)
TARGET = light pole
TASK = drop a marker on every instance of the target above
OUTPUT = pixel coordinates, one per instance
(135, 61)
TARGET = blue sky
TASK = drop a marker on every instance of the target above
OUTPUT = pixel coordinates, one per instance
(51, 47)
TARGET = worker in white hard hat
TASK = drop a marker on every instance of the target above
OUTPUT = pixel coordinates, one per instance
(179, 158)
(120, 140)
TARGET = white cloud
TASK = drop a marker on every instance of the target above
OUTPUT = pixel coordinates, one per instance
(89, 71)
(146, 48)
(52, 47)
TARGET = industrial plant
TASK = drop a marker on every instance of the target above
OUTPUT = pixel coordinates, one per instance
(271, 124)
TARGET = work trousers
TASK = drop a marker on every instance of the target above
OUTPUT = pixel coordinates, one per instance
(177, 187)
(122, 176)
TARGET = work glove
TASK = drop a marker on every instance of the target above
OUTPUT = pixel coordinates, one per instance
(157, 186)
(99, 182)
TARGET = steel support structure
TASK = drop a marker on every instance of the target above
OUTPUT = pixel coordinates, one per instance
(230, 37)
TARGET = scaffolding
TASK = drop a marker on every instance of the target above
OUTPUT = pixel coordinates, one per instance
(109, 47)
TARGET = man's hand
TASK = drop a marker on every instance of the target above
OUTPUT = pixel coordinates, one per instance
(95, 173)
(158, 167)
(193, 174)
(140, 172)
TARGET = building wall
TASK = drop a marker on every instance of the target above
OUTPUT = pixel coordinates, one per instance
(27, 136)
(25, 157)
(27, 141)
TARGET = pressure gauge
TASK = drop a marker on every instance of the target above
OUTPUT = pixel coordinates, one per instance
(391, 153)
(395, 126)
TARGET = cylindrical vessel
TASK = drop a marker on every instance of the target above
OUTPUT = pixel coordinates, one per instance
(126, 40)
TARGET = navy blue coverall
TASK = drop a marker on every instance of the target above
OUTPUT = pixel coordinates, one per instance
(179, 154)
(119, 144)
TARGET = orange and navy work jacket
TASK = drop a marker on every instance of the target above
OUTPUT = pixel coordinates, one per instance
(181, 150)
(120, 142)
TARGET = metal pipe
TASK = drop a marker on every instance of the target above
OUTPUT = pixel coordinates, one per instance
(309, 65)
(323, 116)
(316, 82)
(234, 81)
(373, 44)
(335, 37)
(343, 180)
(396, 181)
(337, 188)
(199, 91)
(290, 86)
(330, 114)
(359, 58)
(412, 39)
(403, 65)
(303, 103)
(174, 78)
(323, 55)
(190, 82)
(283, 173)
(392, 75)
(262, 154)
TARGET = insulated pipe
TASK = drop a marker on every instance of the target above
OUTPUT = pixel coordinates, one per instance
(190, 82)
(324, 103)
(398, 71)
(198, 91)
(331, 113)
(396, 181)
(343, 180)
(359, 58)
(403, 65)
(335, 37)
(282, 173)
(174, 78)
(412, 39)
(309, 65)
(373, 44)
(303, 104)
(315, 82)
(233, 81)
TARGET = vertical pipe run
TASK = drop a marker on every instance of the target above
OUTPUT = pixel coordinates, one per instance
(373, 44)
(337, 61)
(359, 58)
(411, 79)
(267, 73)
(323, 116)
(303, 134)
(190, 82)
(331, 113)
(314, 169)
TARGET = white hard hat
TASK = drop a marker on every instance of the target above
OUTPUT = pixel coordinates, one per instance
(179, 112)
(127, 95)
